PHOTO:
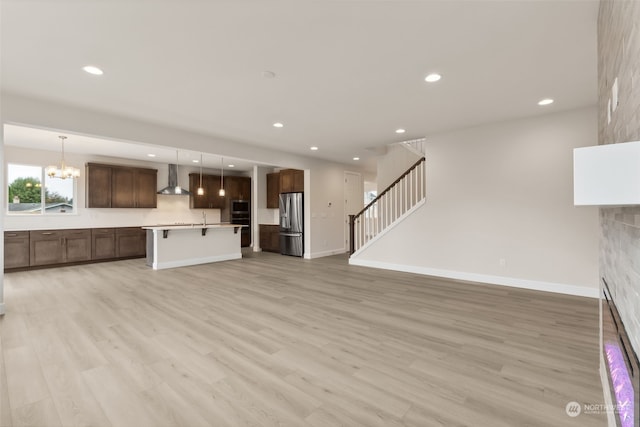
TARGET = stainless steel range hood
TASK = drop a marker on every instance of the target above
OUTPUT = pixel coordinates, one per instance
(173, 188)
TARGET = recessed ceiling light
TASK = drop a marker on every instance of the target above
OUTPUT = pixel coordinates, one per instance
(278, 125)
(314, 148)
(546, 101)
(93, 70)
(356, 158)
(400, 131)
(433, 77)
(194, 161)
(232, 166)
(151, 155)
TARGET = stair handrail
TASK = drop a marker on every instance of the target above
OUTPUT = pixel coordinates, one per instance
(386, 190)
(352, 218)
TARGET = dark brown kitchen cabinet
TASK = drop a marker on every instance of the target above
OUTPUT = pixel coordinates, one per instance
(122, 191)
(16, 249)
(45, 247)
(134, 188)
(270, 238)
(245, 239)
(131, 242)
(112, 186)
(241, 189)
(146, 188)
(211, 198)
(237, 188)
(103, 243)
(291, 181)
(273, 190)
(76, 245)
(50, 248)
(59, 246)
(98, 188)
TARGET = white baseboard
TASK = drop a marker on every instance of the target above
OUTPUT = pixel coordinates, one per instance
(325, 253)
(196, 261)
(559, 288)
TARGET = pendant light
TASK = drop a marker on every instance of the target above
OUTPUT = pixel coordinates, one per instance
(221, 193)
(64, 171)
(178, 188)
(200, 191)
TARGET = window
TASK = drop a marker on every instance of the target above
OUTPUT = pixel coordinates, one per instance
(26, 195)
(369, 196)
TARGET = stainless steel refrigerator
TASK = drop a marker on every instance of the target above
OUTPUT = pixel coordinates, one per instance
(291, 224)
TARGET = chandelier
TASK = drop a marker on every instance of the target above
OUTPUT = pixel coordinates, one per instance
(63, 171)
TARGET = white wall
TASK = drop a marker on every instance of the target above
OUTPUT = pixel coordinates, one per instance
(396, 162)
(502, 192)
(170, 208)
(326, 211)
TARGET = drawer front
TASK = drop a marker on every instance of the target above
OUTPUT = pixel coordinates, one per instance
(18, 235)
(102, 231)
(45, 234)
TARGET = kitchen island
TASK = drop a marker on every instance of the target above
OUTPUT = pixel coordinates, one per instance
(179, 245)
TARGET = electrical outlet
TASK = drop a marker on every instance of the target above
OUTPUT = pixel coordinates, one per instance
(502, 262)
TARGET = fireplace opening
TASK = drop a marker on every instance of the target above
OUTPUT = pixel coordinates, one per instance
(623, 369)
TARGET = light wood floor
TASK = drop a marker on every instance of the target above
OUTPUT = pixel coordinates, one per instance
(271, 340)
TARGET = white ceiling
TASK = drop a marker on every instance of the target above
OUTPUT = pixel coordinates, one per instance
(48, 140)
(348, 73)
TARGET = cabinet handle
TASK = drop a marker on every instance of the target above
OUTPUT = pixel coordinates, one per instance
(46, 234)
(12, 235)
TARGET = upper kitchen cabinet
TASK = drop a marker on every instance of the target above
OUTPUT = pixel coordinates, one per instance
(111, 186)
(291, 181)
(211, 198)
(134, 188)
(98, 186)
(238, 187)
(273, 190)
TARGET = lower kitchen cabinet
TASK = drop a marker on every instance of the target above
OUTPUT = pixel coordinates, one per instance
(270, 238)
(76, 245)
(25, 249)
(59, 246)
(131, 242)
(103, 243)
(245, 238)
(16, 249)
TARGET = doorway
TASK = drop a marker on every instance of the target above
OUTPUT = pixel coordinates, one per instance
(353, 200)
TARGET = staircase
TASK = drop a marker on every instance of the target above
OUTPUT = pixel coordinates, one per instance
(398, 200)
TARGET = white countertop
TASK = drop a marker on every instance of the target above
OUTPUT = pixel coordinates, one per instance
(190, 226)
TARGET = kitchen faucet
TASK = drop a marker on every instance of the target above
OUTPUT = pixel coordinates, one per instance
(204, 218)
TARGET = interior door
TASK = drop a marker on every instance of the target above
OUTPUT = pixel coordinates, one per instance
(353, 200)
